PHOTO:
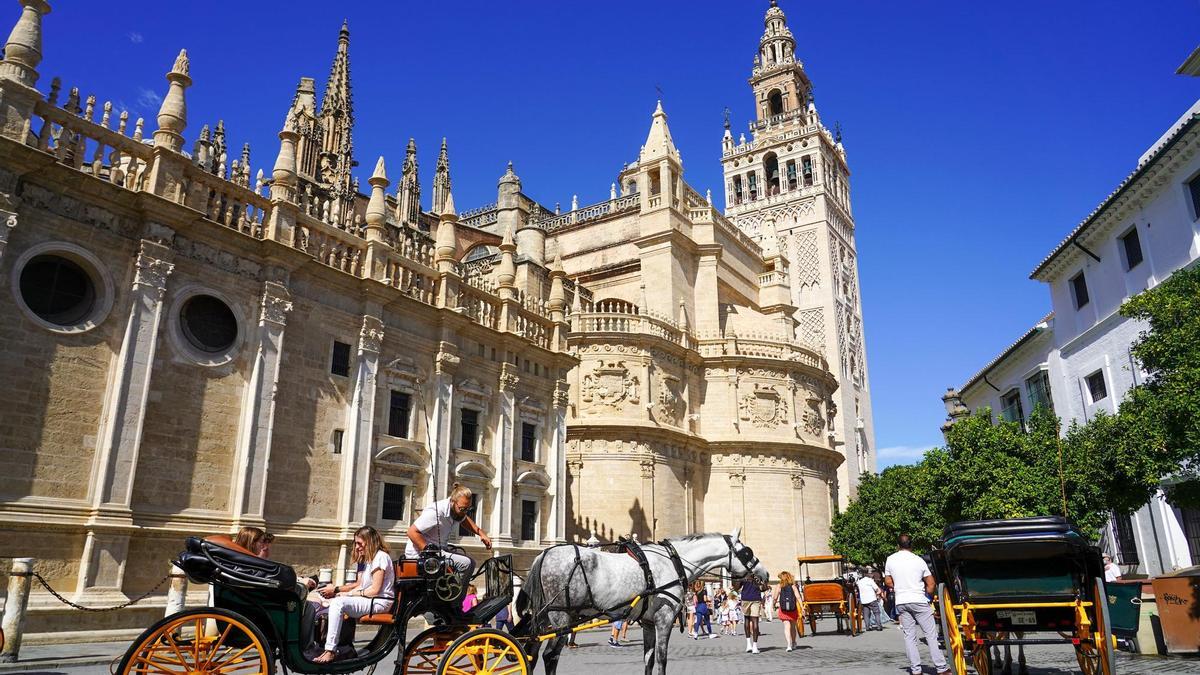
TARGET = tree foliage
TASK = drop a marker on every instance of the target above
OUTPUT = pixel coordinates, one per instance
(1112, 463)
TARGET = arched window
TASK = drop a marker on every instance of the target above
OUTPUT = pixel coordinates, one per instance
(771, 167)
(775, 103)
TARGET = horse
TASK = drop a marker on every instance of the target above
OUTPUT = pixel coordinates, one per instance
(571, 584)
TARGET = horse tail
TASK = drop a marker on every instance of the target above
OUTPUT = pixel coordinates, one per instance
(530, 599)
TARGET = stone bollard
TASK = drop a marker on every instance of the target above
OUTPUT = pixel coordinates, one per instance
(177, 591)
(14, 607)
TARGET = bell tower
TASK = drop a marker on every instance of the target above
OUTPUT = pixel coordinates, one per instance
(788, 186)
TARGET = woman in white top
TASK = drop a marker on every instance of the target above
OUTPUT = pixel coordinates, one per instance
(371, 594)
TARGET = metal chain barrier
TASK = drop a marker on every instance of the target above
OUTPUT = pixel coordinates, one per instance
(82, 608)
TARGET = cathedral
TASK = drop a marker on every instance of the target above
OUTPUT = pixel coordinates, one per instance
(194, 346)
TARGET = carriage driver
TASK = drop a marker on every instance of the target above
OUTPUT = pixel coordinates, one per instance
(438, 521)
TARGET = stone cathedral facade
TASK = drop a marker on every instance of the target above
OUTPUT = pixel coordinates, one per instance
(193, 345)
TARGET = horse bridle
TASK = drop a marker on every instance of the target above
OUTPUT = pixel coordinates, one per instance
(745, 555)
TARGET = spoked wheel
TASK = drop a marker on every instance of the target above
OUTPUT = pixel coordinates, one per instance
(1088, 658)
(1102, 633)
(485, 651)
(180, 644)
(811, 614)
(981, 658)
(426, 649)
(956, 656)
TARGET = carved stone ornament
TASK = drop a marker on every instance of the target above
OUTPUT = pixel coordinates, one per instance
(152, 270)
(797, 481)
(647, 468)
(561, 394)
(276, 303)
(446, 363)
(508, 380)
(814, 422)
(668, 405)
(609, 384)
(370, 338)
(10, 221)
(763, 407)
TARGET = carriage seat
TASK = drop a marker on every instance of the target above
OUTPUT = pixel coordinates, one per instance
(217, 558)
(405, 569)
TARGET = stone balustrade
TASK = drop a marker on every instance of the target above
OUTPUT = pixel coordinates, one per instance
(592, 212)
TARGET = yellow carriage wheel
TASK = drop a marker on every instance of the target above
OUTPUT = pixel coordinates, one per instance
(981, 658)
(484, 651)
(425, 650)
(951, 634)
(1102, 629)
(203, 641)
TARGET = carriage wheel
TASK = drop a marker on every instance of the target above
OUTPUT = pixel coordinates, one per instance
(957, 658)
(810, 613)
(1102, 630)
(484, 651)
(1089, 660)
(981, 658)
(180, 644)
(425, 650)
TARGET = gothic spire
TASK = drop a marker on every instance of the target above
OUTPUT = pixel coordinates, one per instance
(658, 142)
(408, 190)
(337, 89)
(337, 120)
(441, 179)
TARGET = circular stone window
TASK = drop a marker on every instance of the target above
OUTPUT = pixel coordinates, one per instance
(57, 290)
(208, 324)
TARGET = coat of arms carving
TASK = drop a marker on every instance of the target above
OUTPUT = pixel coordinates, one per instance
(609, 384)
(814, 422)
(668, 405)
(763, 407)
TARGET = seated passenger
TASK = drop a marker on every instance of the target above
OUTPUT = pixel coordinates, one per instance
(251, 539)
(441, 519)
(371, 594)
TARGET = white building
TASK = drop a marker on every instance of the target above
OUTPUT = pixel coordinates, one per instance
(1077, 360)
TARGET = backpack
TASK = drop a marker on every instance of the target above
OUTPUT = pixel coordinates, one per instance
(787, 600)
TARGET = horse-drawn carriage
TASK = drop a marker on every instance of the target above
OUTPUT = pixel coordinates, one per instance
(261, 616)
(836, 596)
(1001, 580)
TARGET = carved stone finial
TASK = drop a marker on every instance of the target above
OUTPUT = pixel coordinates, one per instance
(172, 114)
(23, 50)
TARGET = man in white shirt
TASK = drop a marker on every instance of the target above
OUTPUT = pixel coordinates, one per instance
(441, 519)
(907, 575)
(868, 595)
(1111, 572)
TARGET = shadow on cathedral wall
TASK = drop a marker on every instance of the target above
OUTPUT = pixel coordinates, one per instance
(581, 528)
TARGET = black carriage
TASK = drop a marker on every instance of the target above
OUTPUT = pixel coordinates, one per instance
(260, 616)
(1019, 582)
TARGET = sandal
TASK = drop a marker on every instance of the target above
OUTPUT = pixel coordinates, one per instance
(325, 657)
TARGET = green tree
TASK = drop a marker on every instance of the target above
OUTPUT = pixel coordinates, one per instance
(901, 499)
(1159, 421)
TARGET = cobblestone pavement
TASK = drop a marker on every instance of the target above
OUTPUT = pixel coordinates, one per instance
(875, 653)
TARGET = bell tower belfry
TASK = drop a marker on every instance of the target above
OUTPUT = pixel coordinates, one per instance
(790, 183)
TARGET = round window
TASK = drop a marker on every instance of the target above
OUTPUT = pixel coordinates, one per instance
(208, 324)
(59, 291)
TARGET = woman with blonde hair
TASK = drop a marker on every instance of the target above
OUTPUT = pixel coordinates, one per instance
(789, 608)
(372, 593)
(250, 538)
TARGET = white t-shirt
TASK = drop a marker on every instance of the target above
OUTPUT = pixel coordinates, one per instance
(908, 572)
(1111, 573)
(381, 561)
(436, 523)
(868, 590)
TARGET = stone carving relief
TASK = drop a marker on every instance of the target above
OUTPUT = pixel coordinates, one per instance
(668, 405)
(69, 207)
(811, 328)
(215, 257)
(370, 337)
(10, 221)
(474, 393)
(276, 303)
(403, 375)
(813, 421)
(446, 363)
(610, 384)
(153, 268)
(561, 394)
(508, 378)
(763, 407)
(807, 265)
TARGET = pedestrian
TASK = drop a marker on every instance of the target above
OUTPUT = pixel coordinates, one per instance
(703, 620)
(722, 611)
(907, 575)
(789, 608)
(618, 629)
(1111, 572)
(768, 604)
(752, 607)
(872, 604)
(733, 611)
(504, 619)
(689, 607)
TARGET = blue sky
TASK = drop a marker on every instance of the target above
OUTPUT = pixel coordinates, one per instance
(978, 134)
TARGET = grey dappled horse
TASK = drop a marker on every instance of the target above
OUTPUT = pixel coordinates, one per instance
(557, 581)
